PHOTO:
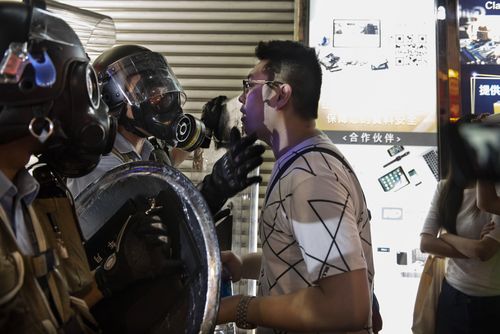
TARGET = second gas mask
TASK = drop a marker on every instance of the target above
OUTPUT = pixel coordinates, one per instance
(152, 92)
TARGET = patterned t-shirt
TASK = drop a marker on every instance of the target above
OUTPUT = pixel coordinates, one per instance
(314, 224)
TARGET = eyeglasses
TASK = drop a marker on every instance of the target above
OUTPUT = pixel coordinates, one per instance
(250, 83)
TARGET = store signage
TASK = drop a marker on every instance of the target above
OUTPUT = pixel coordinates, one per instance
(492, 5)
(379, 70)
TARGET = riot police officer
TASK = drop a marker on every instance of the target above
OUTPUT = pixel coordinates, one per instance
(50, 107)
(145, 96)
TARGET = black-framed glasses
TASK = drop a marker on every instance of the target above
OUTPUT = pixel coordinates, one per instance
(249, 83)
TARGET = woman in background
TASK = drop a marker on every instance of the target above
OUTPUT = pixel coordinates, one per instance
(470, 238)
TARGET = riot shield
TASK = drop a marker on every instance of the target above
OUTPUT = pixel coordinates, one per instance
(186, 303)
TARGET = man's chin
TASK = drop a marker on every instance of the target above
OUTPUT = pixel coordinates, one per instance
(247, 131)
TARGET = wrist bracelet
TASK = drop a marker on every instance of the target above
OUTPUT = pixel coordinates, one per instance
(241, 313)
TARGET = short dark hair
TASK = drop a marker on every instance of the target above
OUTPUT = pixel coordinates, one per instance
(298, 66)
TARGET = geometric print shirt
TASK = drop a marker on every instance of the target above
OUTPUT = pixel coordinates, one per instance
(314, 224)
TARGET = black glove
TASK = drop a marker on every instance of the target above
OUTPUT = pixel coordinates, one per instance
(229, 174)
(146, 248)
(213, 118)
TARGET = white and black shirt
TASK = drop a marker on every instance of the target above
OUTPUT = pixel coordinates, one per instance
(315, 222)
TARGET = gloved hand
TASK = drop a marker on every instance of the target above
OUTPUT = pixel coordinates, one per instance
(230, 173)
(211, 116)
(147, 247)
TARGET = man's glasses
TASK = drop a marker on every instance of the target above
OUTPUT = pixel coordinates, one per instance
(250, 83)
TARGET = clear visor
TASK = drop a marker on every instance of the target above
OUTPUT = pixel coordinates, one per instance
(48, 26)
(44, 26)
(145, 76)
(96, 31)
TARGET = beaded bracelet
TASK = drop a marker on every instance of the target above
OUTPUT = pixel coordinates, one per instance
(241, 313)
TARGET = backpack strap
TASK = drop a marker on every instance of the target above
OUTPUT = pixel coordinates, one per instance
(297, 155)
(124, 157)
(12, 253)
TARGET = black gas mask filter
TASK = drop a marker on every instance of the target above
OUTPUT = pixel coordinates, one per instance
(84, 134)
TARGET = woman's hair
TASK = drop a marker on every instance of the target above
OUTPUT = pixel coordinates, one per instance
(451, 197)
(449, 204)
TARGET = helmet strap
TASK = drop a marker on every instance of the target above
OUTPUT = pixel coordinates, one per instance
(130, 125)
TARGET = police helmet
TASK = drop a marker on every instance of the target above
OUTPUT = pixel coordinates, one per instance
(132, 76)
(50, 91)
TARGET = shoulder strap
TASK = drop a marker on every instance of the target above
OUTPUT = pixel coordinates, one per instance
(124, 157)
(4, 220)
(290, 161)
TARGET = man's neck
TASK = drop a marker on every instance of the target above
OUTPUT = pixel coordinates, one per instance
(136, 141)
(290, 132)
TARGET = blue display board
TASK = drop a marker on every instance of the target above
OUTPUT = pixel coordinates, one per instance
(479, 37)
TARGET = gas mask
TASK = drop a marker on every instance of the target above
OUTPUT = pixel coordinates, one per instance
(50, 91)
(148, 85)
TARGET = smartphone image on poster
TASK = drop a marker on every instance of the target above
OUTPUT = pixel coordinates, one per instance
(394, 180)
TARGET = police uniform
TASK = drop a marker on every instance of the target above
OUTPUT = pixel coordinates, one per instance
(43, 267)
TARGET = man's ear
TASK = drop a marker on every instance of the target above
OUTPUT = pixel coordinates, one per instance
(278, 96)
(284, 95)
